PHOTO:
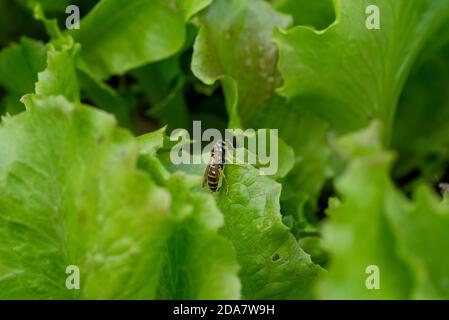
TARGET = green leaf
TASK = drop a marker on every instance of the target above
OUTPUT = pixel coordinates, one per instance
(47, 5)
(59, 78)
(200, 263)
(151, 142)
(20, 64)
(15, 23)
(51, 25)
(156, 79)
(10, 104)
(422, 116)
(79, 200)
(237, 50)
(286, 159)
(76, 200)
(192, 7)
(313, 246)
(423, 232)
(105, 97)
(445, 191)
(273, 266)
(117, 36)
(308, 136)
(162, 84)
(349, 74)
(319, 13)
(359, 233)
(314, 164)
(374, 224)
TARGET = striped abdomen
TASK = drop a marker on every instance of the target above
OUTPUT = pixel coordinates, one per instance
(216, 166)
(213, 179)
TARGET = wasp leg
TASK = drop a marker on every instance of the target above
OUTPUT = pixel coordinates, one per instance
(226, 180)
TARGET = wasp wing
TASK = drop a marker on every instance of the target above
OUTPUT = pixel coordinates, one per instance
(206, 172)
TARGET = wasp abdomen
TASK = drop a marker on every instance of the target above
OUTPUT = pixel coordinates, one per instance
(213, 179)
(215, 167)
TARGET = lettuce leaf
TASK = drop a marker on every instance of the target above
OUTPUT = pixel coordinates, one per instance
(373, 223)
(199, 263)
(19, 66)
(319, 13)
(117, 37)
(273, 264)
(78, 199)
(237, 50)
(358, 233)
(59, 78)
(425, 96)
(350, 75)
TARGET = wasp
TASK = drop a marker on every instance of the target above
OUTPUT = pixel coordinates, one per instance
(215, 168)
